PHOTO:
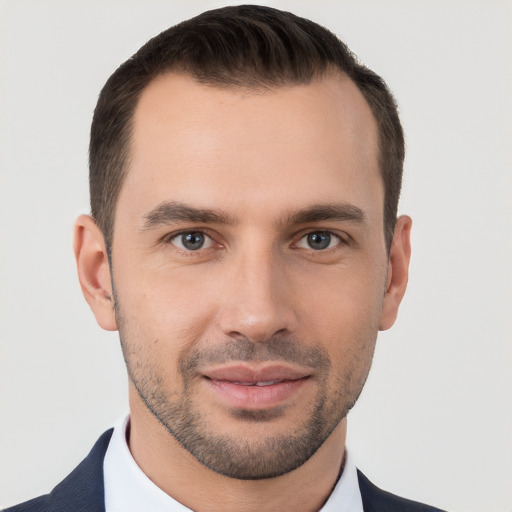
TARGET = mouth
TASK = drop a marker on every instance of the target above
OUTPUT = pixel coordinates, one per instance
(243, 387)
(259, 383)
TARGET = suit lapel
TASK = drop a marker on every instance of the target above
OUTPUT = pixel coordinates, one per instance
(377, 500)
(82, 490)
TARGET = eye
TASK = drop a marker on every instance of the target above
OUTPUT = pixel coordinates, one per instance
(191, 240)
(319, 240)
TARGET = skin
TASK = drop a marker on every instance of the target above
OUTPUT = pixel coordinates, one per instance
(256, 291)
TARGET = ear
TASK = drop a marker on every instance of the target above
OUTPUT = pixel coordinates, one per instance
(93, 271)
(398, 272)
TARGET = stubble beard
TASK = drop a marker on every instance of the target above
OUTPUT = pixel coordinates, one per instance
(239, 456)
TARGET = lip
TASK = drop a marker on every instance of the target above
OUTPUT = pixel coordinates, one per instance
(251, 375)
(256, 388)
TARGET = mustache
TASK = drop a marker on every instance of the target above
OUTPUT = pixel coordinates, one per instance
(288, 350)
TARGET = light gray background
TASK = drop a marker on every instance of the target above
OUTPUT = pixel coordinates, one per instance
(435, 420)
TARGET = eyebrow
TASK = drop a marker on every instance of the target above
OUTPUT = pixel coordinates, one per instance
(171, 212)
(320, 213)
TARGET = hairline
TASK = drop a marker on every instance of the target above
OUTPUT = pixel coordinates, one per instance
(330, 71)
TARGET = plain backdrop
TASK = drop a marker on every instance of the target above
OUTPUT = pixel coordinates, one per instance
(435, 420)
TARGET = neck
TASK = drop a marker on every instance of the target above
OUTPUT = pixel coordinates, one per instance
(177, 472)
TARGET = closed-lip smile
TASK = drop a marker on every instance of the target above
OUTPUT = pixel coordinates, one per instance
(252, 387)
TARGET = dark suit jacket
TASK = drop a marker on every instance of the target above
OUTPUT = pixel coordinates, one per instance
(82, 490)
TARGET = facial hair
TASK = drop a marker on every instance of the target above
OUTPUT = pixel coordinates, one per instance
(237, 455)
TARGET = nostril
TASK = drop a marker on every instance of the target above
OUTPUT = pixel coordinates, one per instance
(255, 335)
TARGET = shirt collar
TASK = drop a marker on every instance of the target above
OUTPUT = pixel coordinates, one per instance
(128, 489)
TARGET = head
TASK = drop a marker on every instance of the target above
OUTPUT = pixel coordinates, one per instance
(245, 171)
(248, 47)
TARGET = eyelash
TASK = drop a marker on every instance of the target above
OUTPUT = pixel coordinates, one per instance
(168, 240)
(341, 240)
(322, 232)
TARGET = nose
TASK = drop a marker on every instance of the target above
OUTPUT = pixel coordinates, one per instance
(257, 300)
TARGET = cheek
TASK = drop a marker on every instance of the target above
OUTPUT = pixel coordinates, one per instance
(343, 299)
(350, 339)
(342, 312)
(167, 303)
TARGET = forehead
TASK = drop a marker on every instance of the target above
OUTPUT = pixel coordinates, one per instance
(252, 148)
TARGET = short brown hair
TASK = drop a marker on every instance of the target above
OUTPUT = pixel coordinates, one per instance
(244, 46)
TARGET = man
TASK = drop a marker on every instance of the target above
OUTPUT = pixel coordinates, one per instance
(244, 175)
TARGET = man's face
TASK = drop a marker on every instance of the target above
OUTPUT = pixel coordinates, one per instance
(249, 266)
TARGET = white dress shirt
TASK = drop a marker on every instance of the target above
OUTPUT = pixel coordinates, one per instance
(128, 489)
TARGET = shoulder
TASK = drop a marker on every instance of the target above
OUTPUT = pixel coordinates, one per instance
(81, 491)
(377, 500)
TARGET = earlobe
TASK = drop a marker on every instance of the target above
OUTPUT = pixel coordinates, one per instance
(398, 272)
(94, 271)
